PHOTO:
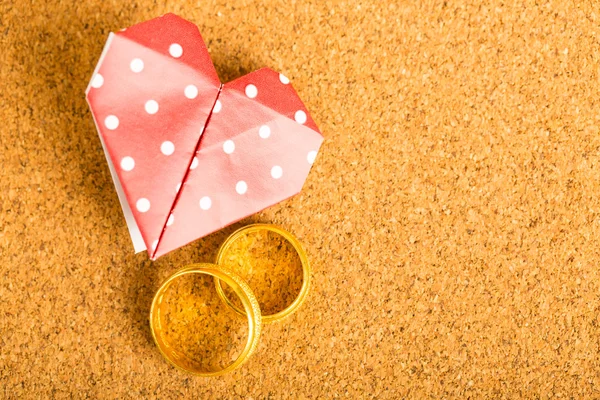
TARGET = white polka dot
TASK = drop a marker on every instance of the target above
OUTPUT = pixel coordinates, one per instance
(300, 117)
(194, 163)
(170, 220)
(190, 91)
(241, 187)
(151, 107)
(205, 203)
(98, 81)
(251, 91)
(276, 172)
(178, 187)
(312, 155)
(228, 146)
(127, 163)
(284, 79)
(111, 122)
(218, 107)
(167, 148)
(137, 65)
(154, 244)
(142, 205)
(264, 131)
(175, 50)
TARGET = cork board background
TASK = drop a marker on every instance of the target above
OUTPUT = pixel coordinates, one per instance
(452, 216)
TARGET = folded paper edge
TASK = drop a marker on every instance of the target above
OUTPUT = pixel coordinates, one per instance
(134, 230)
(187, 172)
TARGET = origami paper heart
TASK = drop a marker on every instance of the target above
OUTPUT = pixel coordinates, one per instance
(188, 154)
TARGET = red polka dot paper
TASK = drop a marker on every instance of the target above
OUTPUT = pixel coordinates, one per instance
(190, 155)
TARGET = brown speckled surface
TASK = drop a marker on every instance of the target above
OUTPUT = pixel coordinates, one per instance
(452, 217)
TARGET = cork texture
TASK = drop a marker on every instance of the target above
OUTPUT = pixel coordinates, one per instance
(452, 217)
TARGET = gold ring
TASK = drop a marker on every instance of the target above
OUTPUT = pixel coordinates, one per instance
(303, 259)
(244, 292)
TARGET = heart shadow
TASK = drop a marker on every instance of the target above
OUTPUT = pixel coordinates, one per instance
(58, 70)
(58, 73)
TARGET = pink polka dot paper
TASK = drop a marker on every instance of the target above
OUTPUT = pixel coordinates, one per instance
(166, 121)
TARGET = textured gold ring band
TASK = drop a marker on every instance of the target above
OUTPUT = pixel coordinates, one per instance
(301, 254)
(245, 294)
